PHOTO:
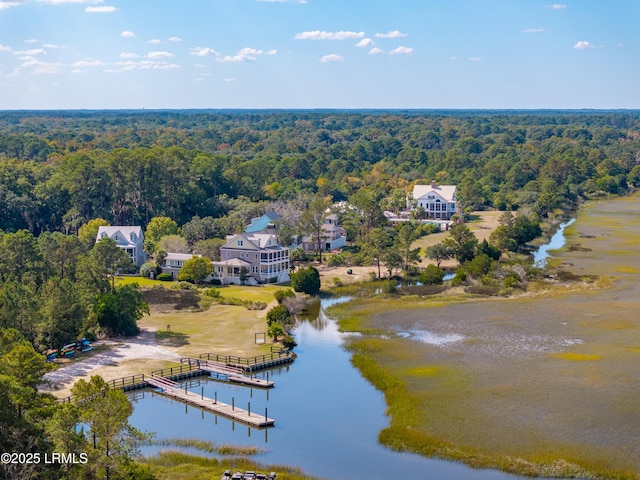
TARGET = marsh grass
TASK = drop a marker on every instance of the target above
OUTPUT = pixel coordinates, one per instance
(173, 465)
(209, 447)
(577, 357)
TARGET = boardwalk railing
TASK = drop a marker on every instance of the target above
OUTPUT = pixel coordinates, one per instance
(251, 363)
(178, 370)
(124, 383)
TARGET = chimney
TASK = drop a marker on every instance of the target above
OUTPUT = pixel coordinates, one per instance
(433, 184)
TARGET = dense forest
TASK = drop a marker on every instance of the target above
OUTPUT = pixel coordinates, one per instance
(60, 169)
(204, 175)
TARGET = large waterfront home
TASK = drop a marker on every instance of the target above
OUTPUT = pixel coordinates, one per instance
(264, 260)
(438, 201)
(130, 239)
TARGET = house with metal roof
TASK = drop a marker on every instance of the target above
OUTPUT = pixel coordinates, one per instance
(130, 239)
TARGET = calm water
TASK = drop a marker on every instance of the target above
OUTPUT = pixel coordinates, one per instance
(557, 241)
(327, 417)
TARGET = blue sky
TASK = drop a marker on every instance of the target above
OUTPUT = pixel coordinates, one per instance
(319, 54)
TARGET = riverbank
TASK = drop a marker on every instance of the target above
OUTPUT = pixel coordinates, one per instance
(536, 386)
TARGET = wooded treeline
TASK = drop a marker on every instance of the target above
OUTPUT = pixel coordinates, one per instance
(60, 169)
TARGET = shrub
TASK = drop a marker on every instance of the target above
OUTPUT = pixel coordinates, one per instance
(289, 342)
(164, 277)
(184, 286)
(212, 292)
(336, 260)
(306, 280)
(249, 305)
(148, 268)
(283, 293)
(431, 275)
(337, 282)
(389, 286)
(281, 315)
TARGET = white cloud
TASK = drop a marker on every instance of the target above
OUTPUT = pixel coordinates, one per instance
(155, 41)
(230, 79)
(60, 2)
(583, 45)
(365, 42)
(203, 52)
(88, 63)
(129, 55)
(160, 55)
(32, 51)
(31, 40)
(272, 52)
(52, 45)
(129, 65)
(4, 48)
(322, 35)
(475, 59)
(101, 9)
(391, 34)
(376, 51)
(558, 6)
(401, 50)
(332, 58)
(236, 58)
(175, 39)
(127, 34)
(77, 70)
(41, 68)
(533, 30)
(8, 4)
(249, 51)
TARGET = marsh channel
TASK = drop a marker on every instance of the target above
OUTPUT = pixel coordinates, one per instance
(519, 353)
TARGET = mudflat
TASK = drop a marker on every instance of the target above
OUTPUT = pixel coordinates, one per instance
(545, 379)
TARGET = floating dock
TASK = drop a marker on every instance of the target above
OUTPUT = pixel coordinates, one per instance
(172, 389)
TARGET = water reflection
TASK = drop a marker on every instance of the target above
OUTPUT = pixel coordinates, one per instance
(327, 416)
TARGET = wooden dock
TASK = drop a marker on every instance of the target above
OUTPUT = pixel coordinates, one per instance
(252, 364)
(232, 373)
(172, 389)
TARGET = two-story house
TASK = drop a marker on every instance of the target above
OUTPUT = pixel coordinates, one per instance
(130, 239)
(334, 236)
(438, 201)
(264, 259)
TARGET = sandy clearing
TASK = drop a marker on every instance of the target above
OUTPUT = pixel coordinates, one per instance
(140, 347)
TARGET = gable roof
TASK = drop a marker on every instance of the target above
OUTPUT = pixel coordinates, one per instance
(122, 232)
(446, 192)
(252, 241)
(261, 223)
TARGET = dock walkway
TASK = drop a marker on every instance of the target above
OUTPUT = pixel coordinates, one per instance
(172, 389)
(232, 373)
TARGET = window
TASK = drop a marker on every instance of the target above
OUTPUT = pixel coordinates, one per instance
(228, 254)
(254, 269)
(255, 256)
(239, 243)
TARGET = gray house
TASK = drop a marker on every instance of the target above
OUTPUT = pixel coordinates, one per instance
(130, 239)
(265, 260)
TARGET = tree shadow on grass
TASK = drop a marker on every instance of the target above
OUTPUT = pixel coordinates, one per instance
(165, 300)
(172, 339)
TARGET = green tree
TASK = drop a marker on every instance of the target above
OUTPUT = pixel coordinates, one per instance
(312, 219)
(280, 315)
(60, 253)
(159, 227)
(99, 267)
(118, 311)
(431, 275)
(195, 269)
(462, 243)
(439, 253)
(243, 275)
(377, 243)
(275, 330)
(106, 413)
(404, 241)
(89, 231)
(306, 280)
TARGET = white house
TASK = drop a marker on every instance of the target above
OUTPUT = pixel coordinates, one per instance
(334, 236)
(173, 263)
(130, 239)
(438, 201)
